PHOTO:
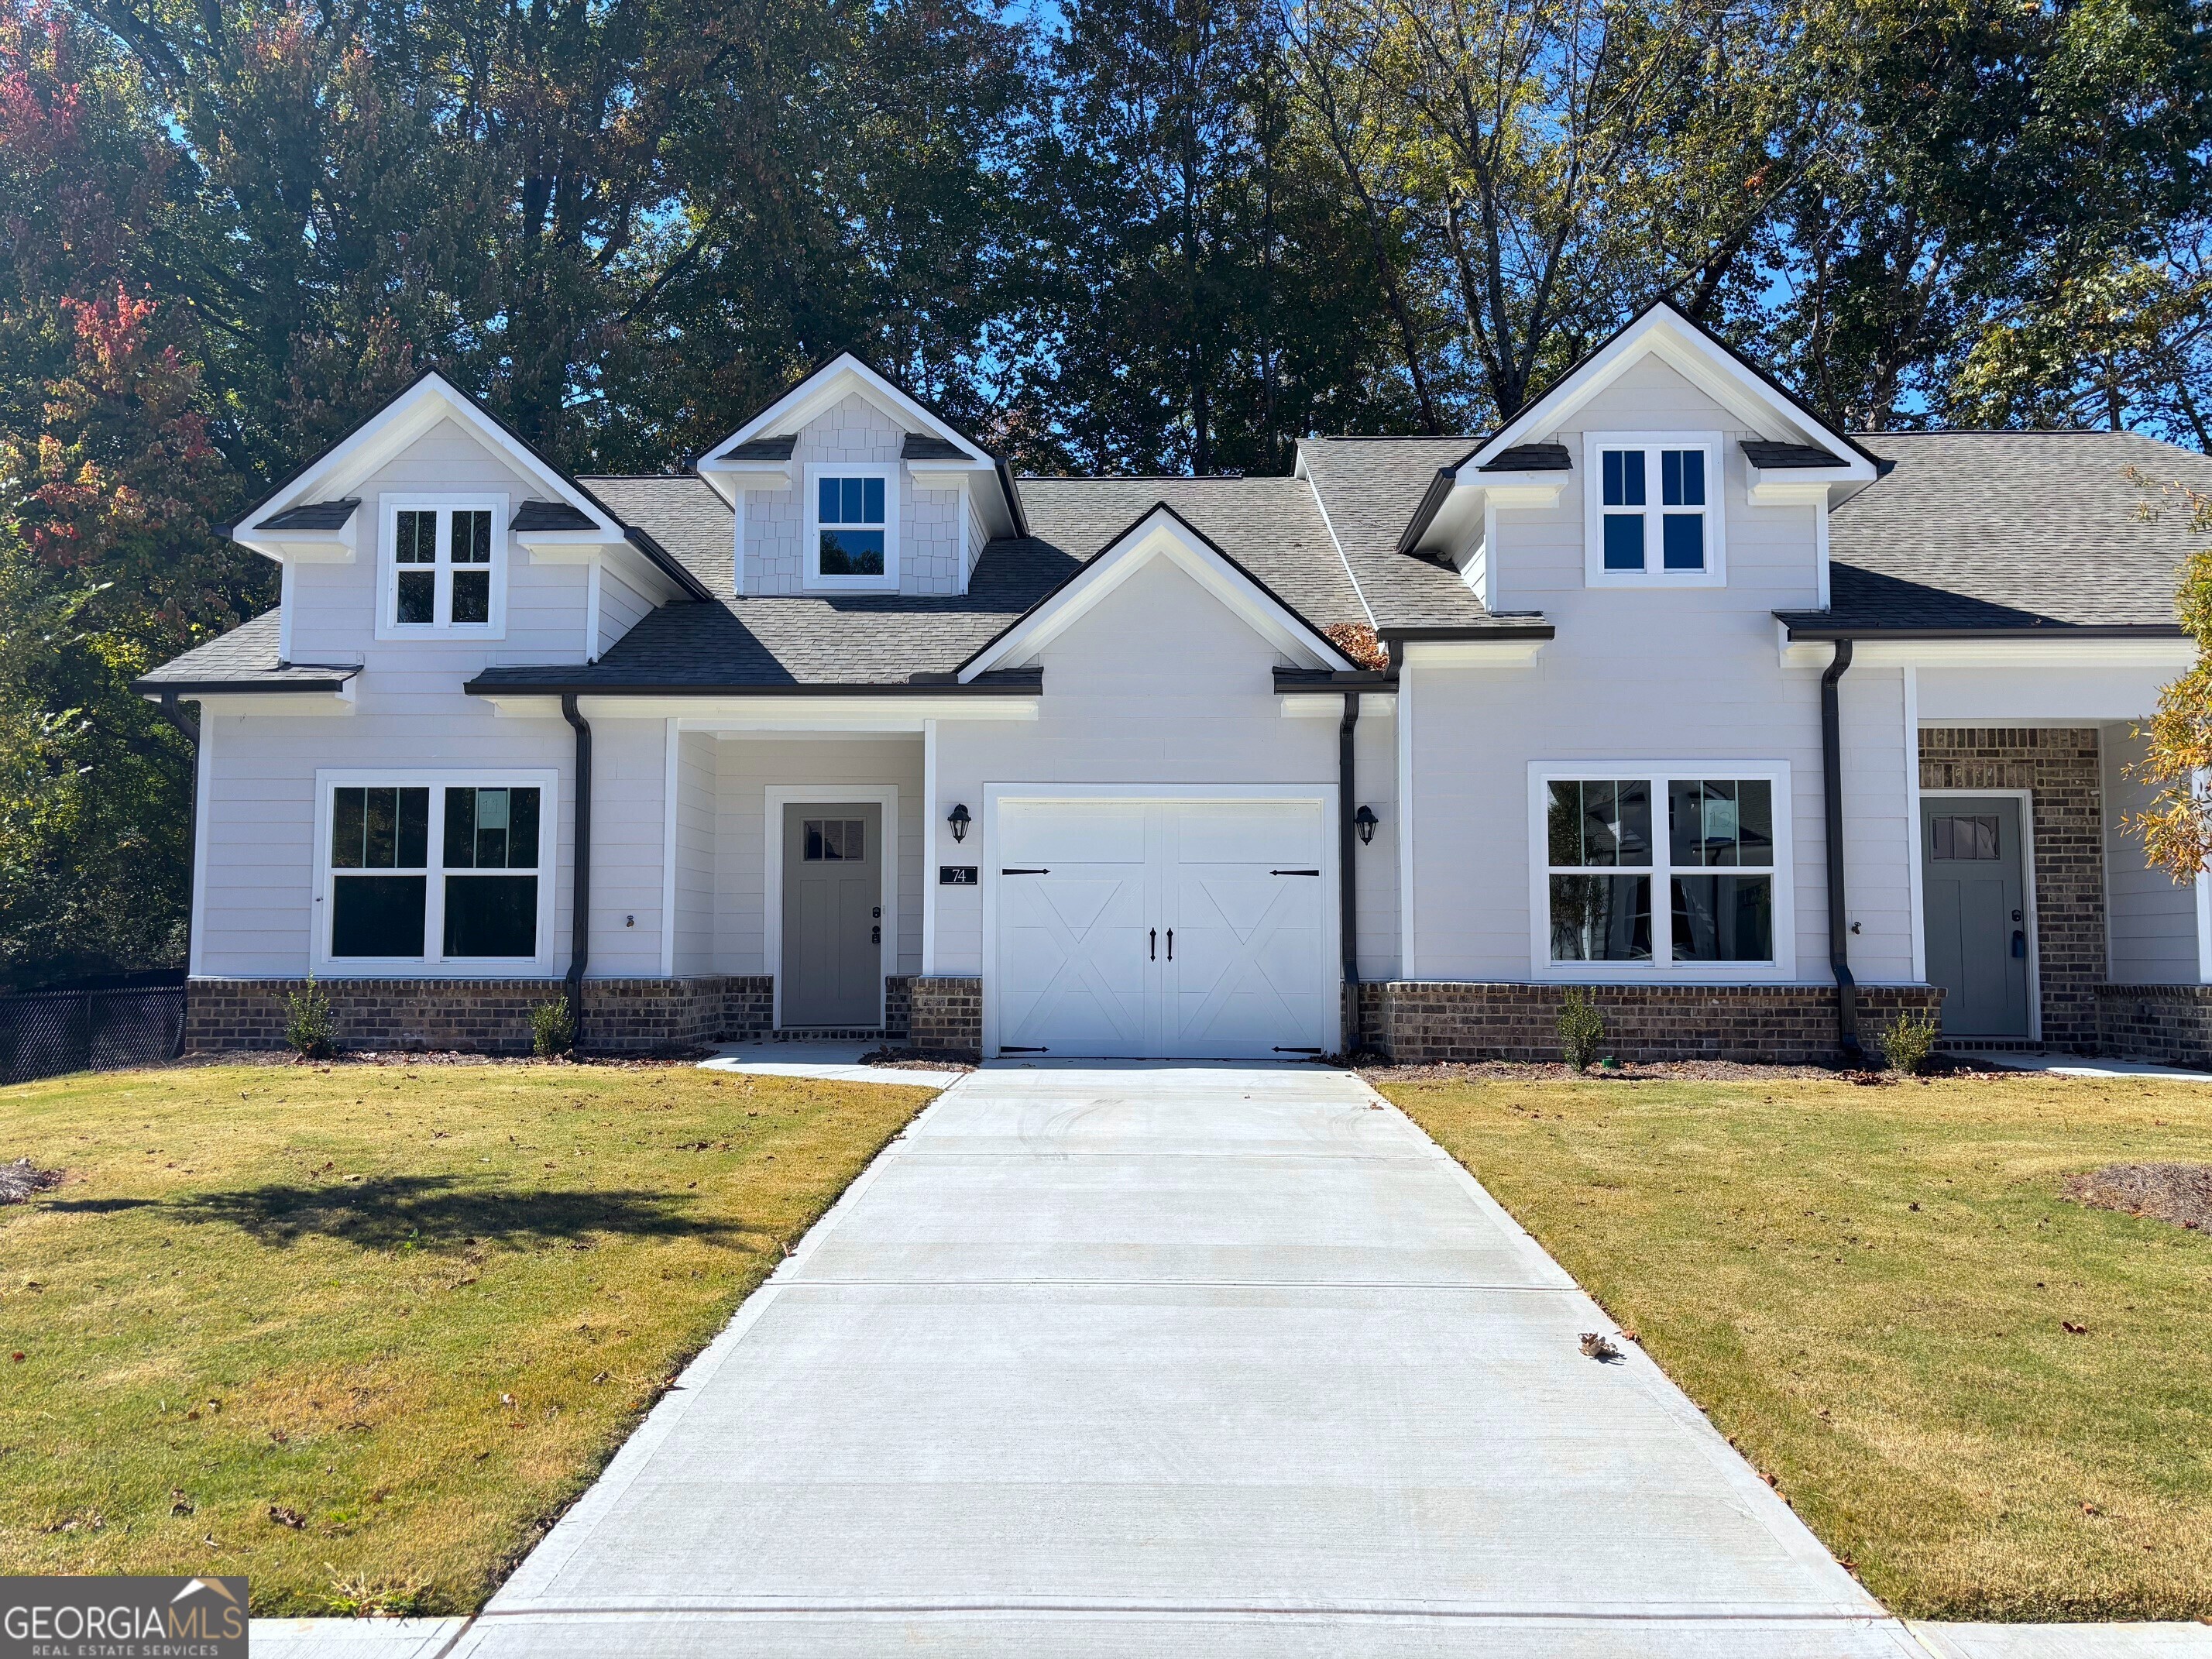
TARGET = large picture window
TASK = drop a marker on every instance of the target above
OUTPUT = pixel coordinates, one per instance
(1653, 506)
(1668, 870)
(443, 568)
(435, 873)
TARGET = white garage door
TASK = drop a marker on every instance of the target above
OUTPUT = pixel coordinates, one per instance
(1189, 929)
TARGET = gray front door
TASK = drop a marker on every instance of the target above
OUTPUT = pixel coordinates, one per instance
(833, 894)
(1970, 850)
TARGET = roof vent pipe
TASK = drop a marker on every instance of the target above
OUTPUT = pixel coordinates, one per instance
(1832, 776)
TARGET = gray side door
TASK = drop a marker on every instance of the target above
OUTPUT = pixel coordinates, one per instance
(1977, 912)
(833, 893)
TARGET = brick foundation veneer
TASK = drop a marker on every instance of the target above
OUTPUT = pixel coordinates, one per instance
(2059, 766)
(898, 1001)
(484, 1016)
(2168, 1023)
(1428, 1021)
(945, 1014)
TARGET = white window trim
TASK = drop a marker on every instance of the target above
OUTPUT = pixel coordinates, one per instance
(781, 795)
(1661, 967)
(389, 508)
(433, 910)
(810, 547)
(1594, 574)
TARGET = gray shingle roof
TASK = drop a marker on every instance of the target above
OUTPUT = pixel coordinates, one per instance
(1760, 452)
(1995, 530)
(312, 515)
(549, 515)
(244, 659)
(1531, 458)
(1370, 488)
(762, 449)
(1271, 526)
(922, 446)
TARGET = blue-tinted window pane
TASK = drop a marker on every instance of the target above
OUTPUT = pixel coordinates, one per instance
(871, 507)
(1682, 542)
(1623, 478)
(1624, 541)
(1682, 477)
(828, 500)
(852, 552)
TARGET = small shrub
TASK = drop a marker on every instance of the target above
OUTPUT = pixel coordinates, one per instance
(1909, 1042)
(309, 1025)
(1582, 1028)
(552, 1031)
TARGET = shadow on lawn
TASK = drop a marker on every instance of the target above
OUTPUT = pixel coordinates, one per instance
(432, 1212)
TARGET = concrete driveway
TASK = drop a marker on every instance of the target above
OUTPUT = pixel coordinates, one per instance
(1124, 1360)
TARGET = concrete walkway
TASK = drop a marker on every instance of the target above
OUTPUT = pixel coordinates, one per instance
(1138, 1360)
(2082, 1065)
(838, 1062)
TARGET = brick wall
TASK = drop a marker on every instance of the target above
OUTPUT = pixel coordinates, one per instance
(1364, 1025)
(1424, 1022)
(2168, 1023)
(2060, 765)
(898, 998)
(624, 1016)
(945, 1014)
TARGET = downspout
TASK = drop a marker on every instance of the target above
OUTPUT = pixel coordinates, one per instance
(1832, 772)
(1347, 839)
(580, 921)
(174, 712)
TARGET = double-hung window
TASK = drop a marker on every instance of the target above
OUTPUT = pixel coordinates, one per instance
(429, 871)
(852, 525)
(1657, 871)
(1652, 503)
(444, 567)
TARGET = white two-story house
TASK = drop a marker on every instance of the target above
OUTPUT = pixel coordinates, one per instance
(1765, 731)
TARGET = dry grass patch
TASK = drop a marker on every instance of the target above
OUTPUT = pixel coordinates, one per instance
(1992, 1402)
(361, 1331)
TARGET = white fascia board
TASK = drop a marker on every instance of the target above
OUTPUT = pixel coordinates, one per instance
(1329, 705)
(307, 546)
(1460, 521)
(324, 704)
(431, 399)
(1159, 534)
(2174, 654)
(1824, 487)
(1514, 651)
(731, 479)
(1664, 332)
(737, 713)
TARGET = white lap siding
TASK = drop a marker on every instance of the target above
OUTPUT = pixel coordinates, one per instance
(744, 768)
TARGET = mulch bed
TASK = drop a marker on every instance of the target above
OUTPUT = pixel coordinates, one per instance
(22, 1179)
(2180, 1193)
(914, 1060)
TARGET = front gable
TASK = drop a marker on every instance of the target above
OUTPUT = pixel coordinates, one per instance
(1161, 537)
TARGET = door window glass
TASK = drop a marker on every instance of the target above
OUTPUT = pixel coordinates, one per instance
(1965, 835)
(835, 841)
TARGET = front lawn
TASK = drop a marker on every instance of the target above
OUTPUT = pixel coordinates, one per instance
(359, 1331)
(1869, 1289)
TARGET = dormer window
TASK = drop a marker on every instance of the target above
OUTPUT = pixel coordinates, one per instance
(444, 567)
(1653, 509)
(851, 530)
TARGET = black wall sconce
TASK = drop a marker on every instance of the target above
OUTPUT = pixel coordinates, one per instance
(1364, 821)
(958, 819)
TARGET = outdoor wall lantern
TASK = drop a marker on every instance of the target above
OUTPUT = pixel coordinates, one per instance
(958, 819)
(1364, 821)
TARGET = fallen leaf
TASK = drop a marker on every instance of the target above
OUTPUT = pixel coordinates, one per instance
(286, 1517)
(2072, 1329)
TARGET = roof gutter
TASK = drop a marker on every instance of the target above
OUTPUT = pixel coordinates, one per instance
(664, 561)
(1831, 775)
(1433, 502)
(2031, 631)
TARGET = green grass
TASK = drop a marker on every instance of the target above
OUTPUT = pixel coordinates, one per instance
(1867, 1289)
(417, 1306)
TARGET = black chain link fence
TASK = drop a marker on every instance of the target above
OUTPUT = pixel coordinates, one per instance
(45, 1033)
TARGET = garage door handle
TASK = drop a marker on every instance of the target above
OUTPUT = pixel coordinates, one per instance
(1025, 872)
(1293, 872)
(1152, 949)
(1170, 944)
